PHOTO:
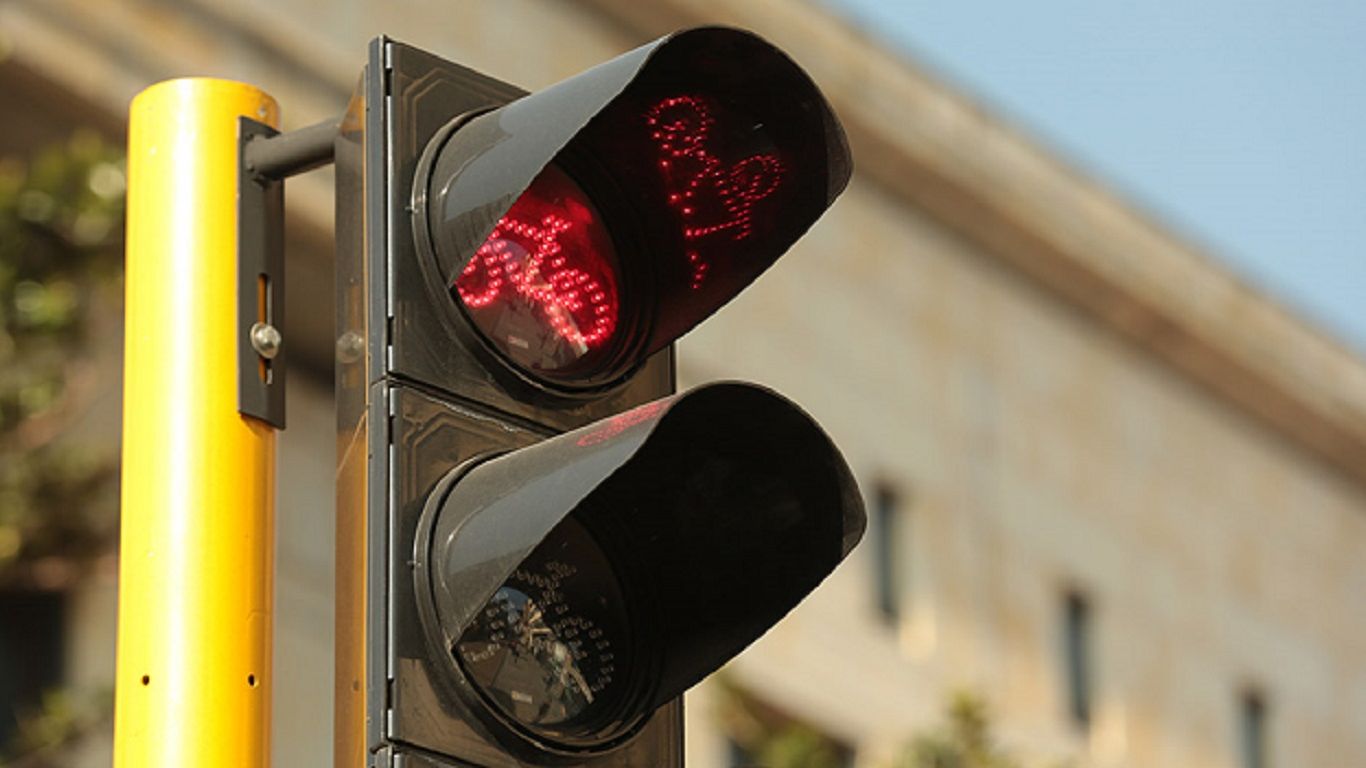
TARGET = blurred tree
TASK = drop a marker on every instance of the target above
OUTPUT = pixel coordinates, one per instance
(963, 742)
(61, 241)
(61, 217)
(59, 720)
(768, 738)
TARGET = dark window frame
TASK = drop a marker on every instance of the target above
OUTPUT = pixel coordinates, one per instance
(1078, 660)
(1252, 728)
(32, 653)
(889, 554)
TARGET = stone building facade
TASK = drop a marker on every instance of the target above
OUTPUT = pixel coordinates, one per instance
(1115, 491)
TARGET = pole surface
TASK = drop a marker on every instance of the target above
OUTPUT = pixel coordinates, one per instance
(196, 553)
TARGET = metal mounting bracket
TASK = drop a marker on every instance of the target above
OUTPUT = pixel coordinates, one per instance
(261, 354)
(265, 158)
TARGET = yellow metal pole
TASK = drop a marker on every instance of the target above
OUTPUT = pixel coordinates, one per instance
(193, 668)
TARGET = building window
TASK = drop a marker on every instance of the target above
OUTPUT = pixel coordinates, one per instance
(1077, 658)
(30, 655)
(887, 525)
(1252, 729)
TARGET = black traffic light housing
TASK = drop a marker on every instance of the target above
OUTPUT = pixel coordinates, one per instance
(536, 553)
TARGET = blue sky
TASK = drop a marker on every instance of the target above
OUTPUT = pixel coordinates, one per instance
(1239, 125)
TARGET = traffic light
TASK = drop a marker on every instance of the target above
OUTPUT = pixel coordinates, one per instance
(540, 545)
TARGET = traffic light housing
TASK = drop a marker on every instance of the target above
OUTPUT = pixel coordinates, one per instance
(540, 546)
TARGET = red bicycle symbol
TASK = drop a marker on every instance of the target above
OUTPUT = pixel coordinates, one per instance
(528, 259)
(701, 185)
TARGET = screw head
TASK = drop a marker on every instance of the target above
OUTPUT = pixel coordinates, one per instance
(350, 348)
(266, 340)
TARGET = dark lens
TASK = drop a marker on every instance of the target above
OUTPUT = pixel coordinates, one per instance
(549, 648)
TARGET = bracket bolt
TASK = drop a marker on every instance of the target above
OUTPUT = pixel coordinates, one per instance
(350, 348)
(265, 339)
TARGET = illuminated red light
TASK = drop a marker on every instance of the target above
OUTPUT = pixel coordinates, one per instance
(710, 195)
(543, 286)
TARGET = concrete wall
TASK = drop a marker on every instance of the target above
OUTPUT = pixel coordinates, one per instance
(1040, 453)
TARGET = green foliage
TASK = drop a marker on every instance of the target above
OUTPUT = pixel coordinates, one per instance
(60, 256)
(963, 742)
(772, 739)
(795, 745)
(61, 718)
